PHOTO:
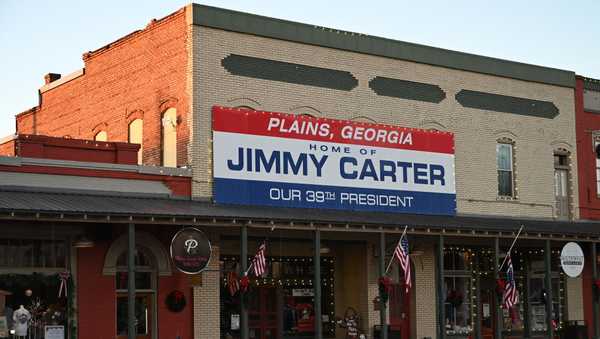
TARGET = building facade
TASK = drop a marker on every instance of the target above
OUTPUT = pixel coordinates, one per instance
(516, 159)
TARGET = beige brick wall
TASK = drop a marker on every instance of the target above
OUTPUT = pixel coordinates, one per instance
(425, 293)
(574, 289)
(206, 301)
(476, 131)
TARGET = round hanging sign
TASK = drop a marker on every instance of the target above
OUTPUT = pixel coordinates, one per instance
(571, 259)
(190, 250)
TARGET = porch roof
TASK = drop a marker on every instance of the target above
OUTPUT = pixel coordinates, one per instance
(24, 204)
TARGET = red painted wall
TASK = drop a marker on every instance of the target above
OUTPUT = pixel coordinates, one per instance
(585, 122)
(97, 295)
(96, 300)
(140, 75)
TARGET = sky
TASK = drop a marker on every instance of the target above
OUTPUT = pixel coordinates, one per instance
(39, 37)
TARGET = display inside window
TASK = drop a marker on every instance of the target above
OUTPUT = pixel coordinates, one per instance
(282, 301)
(32, 301)
(458, 285)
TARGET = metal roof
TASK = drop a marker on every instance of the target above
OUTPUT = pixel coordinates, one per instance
(16, 203)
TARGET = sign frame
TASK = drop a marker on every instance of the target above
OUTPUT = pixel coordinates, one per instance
(175, 262)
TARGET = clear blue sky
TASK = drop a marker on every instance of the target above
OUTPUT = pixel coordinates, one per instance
(38, 37)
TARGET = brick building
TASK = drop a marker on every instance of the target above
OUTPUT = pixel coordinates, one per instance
(514, 127)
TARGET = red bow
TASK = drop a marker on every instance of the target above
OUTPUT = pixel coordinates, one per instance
(385, 284)
(500, 285)
(597, 283)
(244, 283)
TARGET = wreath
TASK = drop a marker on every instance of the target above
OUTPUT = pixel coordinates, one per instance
(385, 288)
(175, 301)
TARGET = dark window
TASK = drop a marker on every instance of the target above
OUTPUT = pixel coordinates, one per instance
(504, 157)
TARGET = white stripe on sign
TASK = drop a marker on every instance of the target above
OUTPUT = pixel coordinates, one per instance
(263, 158)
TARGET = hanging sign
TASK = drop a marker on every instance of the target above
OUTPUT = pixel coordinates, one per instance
(190, 250)
(285, 160)
(571, 259)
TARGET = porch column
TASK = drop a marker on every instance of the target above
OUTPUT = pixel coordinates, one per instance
(548, 286)
(595, 306)
(131, 320)
(477, 299)
(317, 286)
(243, 268)
(498, 302)
(382, 304)
(527, 301)
(440, 288)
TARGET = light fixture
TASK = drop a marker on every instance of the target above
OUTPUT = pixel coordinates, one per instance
(325, 250)
(83, 242)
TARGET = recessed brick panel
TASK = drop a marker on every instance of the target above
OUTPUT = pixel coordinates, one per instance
(289, 72)
(507, 104)
(405, 89)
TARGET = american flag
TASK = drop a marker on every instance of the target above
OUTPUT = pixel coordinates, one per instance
(233, 283)
(259, 263)
(401, 252)
(510, 296)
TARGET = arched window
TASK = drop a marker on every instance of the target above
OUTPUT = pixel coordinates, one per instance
(136, 136)
(505, 168)
(169, 138)
(101, 136)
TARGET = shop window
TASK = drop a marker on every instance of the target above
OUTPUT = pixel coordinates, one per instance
(285, 290)
(504, 160)
(29, 278)
(136, 136)
(169, 138)
(101, 136)
(32, 254)
(458, 286)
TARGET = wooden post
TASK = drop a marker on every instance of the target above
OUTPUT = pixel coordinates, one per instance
(548, 286)
(131, 320)
(498, 301)
(317, 286)
(440, 289)
(243, 267)
(382, 304)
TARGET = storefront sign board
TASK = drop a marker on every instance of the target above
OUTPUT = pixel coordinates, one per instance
(54, 332)
(275, 159)
(190, 250)
(572, 259)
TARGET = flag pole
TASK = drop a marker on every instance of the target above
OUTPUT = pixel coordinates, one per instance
(510, 249)
(392, 259)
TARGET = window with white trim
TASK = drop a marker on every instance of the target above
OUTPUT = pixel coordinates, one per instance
(504, 160)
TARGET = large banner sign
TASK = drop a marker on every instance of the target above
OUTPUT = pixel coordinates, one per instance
(275, 159)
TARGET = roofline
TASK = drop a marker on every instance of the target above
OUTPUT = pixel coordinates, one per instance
(141, 169)
(241, 22)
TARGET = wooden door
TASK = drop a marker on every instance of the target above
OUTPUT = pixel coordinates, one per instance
(262, 313)
(143, 315)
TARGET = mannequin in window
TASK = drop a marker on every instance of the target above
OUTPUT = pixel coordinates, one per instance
(5, 311)
(21, 319)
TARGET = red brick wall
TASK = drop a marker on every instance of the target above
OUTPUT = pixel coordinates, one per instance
(586, 122)
(140, 75)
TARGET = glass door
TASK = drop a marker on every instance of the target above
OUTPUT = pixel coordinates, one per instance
(143, 315)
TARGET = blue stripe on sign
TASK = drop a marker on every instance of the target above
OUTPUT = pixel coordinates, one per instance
(250, 192)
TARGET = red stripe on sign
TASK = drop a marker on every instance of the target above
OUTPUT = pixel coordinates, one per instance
(237, 120)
